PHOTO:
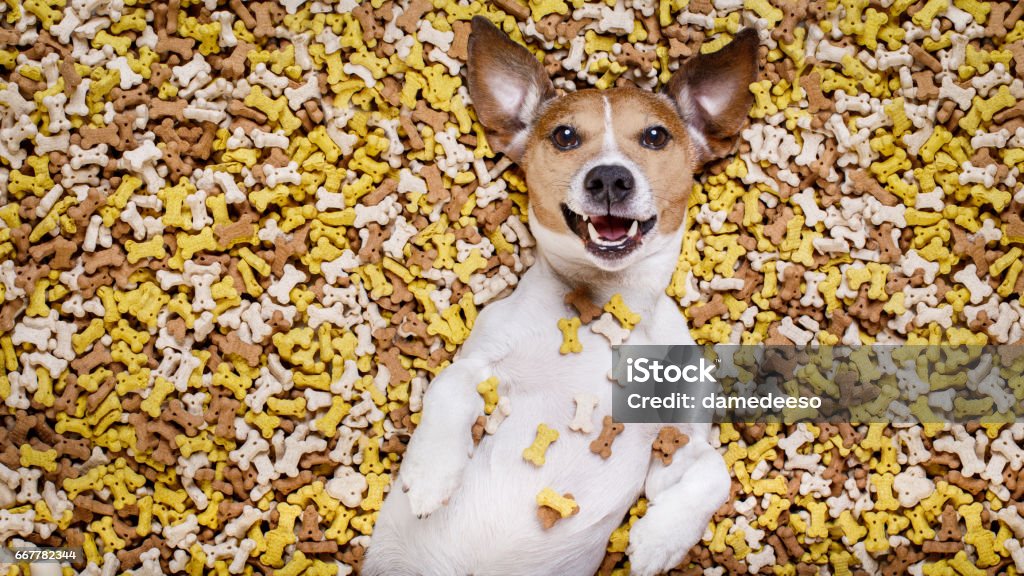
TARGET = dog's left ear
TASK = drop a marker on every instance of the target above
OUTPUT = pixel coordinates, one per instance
(508, 86)
(713, 96)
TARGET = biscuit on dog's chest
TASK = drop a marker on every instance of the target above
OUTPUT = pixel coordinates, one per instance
(615, 321)
(586, 308)
(611, 329)
(617, 307)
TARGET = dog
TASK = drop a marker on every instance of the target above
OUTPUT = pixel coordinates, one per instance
(609, 175)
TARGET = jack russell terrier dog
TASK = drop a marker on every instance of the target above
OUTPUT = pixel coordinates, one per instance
(609, 175)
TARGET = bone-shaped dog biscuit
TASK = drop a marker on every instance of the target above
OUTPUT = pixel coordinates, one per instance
(602, 446)
(553, 507)
(618, 308)
(583, 421)
(489, 424)
(535, 452)
(570, 335)
(610, 329)
(477, 430)
(501, 411)
(668, 441)
(488, 389)
(579, 300)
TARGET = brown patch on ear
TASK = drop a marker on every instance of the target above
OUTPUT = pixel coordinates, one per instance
(508, 85)
(712, 92)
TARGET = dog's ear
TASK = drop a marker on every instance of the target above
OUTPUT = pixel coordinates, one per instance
(507, 85)
(713, 96)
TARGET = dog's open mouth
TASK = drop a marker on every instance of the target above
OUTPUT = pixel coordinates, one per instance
(606, 235)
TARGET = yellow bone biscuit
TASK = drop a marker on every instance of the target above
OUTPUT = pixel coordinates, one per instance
(618, 308)
(488, 389)
(570, 335)
(564, 506)
(535, 453)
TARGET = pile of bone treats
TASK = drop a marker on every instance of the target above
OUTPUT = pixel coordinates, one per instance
(238, 239)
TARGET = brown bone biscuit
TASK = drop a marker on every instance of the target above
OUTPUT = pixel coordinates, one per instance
(602, 446)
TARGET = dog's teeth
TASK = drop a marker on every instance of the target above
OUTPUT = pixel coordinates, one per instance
(633, 228)
(585, 218)
(593, 232)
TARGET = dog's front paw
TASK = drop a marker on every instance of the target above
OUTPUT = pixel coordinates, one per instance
(656, 547)
(430, 477)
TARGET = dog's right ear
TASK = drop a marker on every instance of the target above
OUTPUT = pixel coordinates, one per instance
(508, 85)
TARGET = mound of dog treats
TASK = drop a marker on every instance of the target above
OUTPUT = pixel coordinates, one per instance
(238, 239)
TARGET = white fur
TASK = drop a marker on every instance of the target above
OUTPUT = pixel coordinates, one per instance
(697, 138)
(520, 101)
(457, 509)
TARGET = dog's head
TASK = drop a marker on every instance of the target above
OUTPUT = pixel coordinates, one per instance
(609, 172)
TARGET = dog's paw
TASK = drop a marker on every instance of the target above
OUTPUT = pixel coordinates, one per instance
(655, 548)
(429, 479)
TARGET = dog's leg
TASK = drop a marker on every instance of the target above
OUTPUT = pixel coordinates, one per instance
(682, 497)
(442, 443)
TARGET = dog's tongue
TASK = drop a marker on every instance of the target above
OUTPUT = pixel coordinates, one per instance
(611, 227)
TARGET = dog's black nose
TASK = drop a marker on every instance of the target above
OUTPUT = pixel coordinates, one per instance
(609, 183)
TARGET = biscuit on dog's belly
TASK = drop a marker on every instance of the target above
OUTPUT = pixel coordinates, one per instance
(570, 463)
(597, 484)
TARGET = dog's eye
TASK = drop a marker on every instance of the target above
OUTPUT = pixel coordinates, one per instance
(565, 137)
(655, 137)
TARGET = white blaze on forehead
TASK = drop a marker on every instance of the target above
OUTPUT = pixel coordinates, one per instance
(610, 145)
